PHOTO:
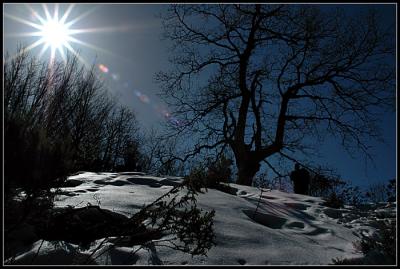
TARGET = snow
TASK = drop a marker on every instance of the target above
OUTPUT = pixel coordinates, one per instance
(286, 228)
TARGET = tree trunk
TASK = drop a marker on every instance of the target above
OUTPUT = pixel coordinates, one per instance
(246, 172)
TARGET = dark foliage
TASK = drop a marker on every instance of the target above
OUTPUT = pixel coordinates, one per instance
(212, 173)
(22, 212)
(219, 171)
(383, 241)
(379, 192)
(379, 248)
(174, 215)
(32, 161)
(335, 191)
(391, 191)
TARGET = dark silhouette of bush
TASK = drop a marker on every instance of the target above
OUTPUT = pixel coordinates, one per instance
(391, 191)
(32, 161)
(219, 171)
(212, 173)
(334, 201)
(198, 177)
(335, 191)
(174, 213)
(381, 192)
(379, 248)
(382, 241)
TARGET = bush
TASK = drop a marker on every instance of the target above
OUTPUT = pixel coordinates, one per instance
(383, 240)
(379, 248)
(174, 216)
(211, 174)
(32, 161)
(219, 171)
(391, 191)
(335, 191)
(379, 192)
(334, 201)
(198, 177)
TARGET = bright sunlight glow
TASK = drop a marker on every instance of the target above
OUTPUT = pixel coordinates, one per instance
(55, 34)
(55, 30)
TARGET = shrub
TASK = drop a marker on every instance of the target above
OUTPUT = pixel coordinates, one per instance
(197, 177)
(383, 240)
(219, 171)
(334, 201)
(211, 174)
(334, 190)
(379, 248)
(391, 191)
(379, 192)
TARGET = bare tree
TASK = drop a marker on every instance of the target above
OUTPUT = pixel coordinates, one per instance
(58, 118)
(262, 79)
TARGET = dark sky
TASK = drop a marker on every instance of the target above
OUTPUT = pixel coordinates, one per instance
(126, 40)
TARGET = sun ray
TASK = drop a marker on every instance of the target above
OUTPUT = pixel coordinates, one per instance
(67, 12)
(53, 54)
(42, 21)
(46, 11)
(15, 18)
(44, 48)
(62, 54)
(23, 34)
(33, 45)
(72, 22)
(102, 29)
(71, 49)
(26, 49)
(42, 51)
(56, 12)
(73, 39)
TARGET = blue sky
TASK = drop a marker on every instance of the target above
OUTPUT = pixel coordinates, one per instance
(131, 49)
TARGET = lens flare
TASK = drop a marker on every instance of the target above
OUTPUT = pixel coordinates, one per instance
(103, 68)
(142, 97)
(115, 77)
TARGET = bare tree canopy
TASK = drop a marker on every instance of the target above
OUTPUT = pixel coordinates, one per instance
(59, 119)
(260, 79)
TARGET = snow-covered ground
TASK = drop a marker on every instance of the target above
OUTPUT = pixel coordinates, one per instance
(286, 229)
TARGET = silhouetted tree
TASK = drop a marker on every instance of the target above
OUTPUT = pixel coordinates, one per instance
(262, 79)
(59, 118)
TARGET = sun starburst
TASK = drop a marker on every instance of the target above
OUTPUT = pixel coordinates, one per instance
(54, 32)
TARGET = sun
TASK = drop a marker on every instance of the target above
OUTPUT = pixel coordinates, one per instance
(55, 34)
(54, 31)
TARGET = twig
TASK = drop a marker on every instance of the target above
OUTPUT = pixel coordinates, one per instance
(77, 204)
(37, 252)
(258, 203)
(134, 252)
(94, 251)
